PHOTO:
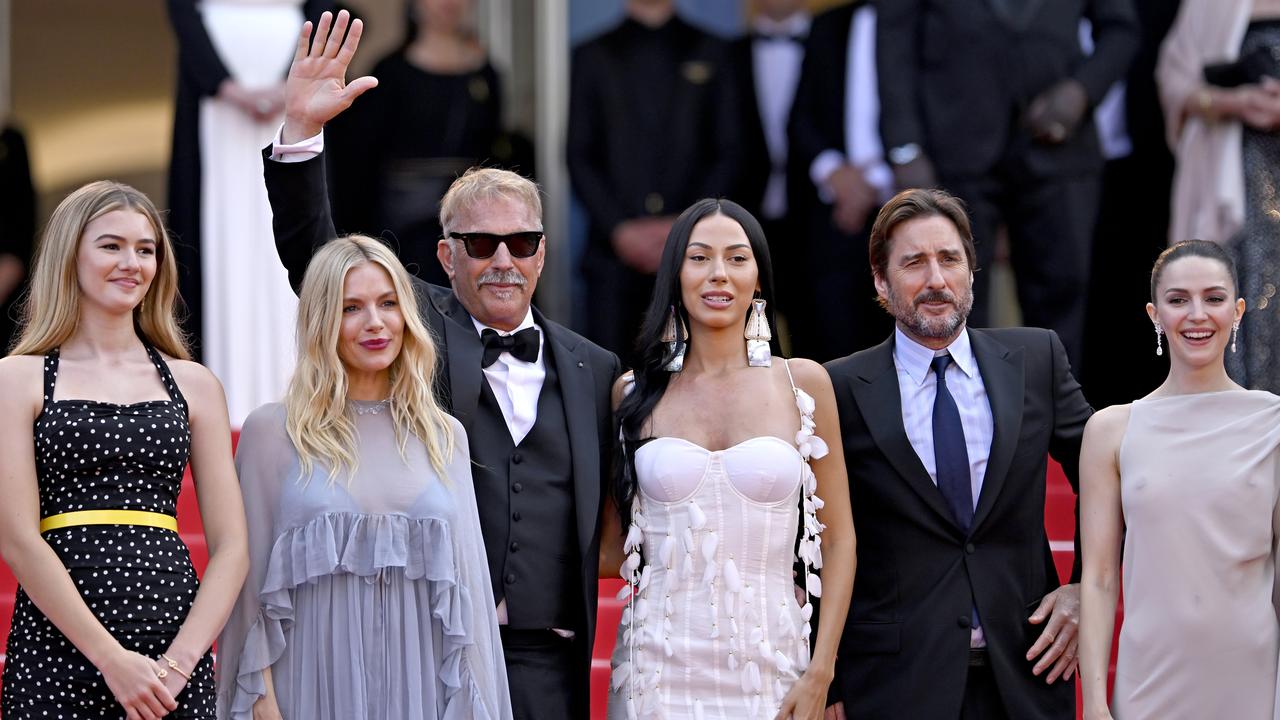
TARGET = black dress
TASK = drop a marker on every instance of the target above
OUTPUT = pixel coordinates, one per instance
(399, 148)
(137, 580)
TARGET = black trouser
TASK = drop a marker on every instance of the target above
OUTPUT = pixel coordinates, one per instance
(1051, 223)
(544, 673)
(833, 311)
(981, 697)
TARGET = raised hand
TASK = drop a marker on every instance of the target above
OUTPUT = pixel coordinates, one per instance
(316, 90)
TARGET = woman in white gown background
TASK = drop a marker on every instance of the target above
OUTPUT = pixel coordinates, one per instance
(234, 55)
(730, 461)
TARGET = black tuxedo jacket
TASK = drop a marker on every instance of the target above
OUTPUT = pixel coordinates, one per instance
(904, 652)
(626, 163)
(756, 166)
(957, 77)
(818, 112)
(302, 223)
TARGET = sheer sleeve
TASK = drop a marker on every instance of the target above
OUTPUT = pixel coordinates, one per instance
(264, 459)
(483, 658)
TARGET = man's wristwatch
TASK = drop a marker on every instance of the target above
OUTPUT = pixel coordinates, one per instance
(904, 154)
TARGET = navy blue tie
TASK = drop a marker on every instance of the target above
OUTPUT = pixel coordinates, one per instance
(950, 455)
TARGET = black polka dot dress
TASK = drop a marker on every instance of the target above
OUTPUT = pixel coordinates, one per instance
(137, 580)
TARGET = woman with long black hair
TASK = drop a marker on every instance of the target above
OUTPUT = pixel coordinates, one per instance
(727, 456)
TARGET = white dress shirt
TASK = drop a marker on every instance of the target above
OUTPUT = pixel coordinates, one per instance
(918, 388)
(516, 384)
(863, 147)
(776, 67)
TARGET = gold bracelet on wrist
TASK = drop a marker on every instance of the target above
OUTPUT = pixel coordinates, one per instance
(173, 665)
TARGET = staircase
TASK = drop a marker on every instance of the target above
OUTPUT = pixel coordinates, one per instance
(1059, 522)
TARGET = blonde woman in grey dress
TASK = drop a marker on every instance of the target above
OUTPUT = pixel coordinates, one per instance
(368, 593)
(1185, 480)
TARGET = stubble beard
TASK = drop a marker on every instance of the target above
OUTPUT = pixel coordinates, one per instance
(931, 327)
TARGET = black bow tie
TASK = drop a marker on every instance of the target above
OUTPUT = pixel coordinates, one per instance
(522, 345)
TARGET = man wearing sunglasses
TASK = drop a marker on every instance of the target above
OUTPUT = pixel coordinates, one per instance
(533, 396)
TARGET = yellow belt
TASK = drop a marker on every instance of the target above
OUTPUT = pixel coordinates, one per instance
(109, 517)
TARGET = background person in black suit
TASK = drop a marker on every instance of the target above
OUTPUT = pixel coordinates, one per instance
(533, 397)
(994, 95)
(837, 177)
(653, 127)
(957, 611)
(17, 228)
(766, 65)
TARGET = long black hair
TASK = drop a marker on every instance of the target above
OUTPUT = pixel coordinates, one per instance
(653, 354)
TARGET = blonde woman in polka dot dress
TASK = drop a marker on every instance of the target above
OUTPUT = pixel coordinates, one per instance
(368, 595)
(100, 411)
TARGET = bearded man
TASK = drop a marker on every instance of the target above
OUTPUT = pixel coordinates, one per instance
(958, 611)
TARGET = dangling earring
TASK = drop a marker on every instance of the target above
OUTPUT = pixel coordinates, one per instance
(758, 336)
(1235, 330)
(673, 335)
(1159, 349)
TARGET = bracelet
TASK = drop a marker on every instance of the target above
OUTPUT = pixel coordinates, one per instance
(173, 665)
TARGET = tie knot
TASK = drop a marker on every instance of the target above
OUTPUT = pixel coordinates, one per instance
(940, 364)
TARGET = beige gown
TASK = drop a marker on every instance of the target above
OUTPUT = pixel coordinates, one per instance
(1199, 487)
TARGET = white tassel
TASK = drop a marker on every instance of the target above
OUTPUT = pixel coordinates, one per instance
(764, 649)
(635, 537)
(697, 518)
(624, 592)
(732, 580)
(733, 661)
(814, 585)
(698, 712)
(620, 675)
(631, 709)
(806, 612)
(665, 551)
(784, 665)
(645, 576)
(753, 676)
(755, 636)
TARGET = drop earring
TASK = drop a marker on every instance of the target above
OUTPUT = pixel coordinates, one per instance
(674, 336)
(1159, 347)
(758, 336)
(1235, 331)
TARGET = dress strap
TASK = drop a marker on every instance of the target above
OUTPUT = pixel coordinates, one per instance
(50, 373)
(786, 363)
(166, 377)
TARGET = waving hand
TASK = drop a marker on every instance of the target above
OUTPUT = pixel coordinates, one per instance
(316, 90)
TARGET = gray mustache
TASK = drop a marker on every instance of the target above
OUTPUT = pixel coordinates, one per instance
(502, 277)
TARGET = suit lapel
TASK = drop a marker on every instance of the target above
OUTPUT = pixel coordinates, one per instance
(1002, 376)
(577, 393)
(878, 396)
(465, 351)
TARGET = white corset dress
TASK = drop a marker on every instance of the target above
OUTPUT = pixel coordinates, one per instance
(713, 628)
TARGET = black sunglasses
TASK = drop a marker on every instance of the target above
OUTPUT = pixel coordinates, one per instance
(482, 246)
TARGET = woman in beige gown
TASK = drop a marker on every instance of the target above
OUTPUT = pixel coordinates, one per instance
(1185, 480)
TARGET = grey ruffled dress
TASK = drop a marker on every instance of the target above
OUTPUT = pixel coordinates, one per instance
(369, 600)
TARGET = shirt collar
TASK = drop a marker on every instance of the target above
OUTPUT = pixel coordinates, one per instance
(795, 24)
(526, 323)
(916, 359)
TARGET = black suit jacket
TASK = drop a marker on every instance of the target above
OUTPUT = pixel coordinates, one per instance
(624, 162)
(818, 113)
(302, 223)
(957, 77)
(904, 652)
(756, 166)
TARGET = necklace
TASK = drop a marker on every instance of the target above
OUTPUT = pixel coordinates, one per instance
(370, 407)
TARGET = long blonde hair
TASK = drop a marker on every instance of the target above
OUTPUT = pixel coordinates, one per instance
(51, 310)
(317, 417)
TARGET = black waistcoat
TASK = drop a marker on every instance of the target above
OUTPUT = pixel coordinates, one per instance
(525, 496)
